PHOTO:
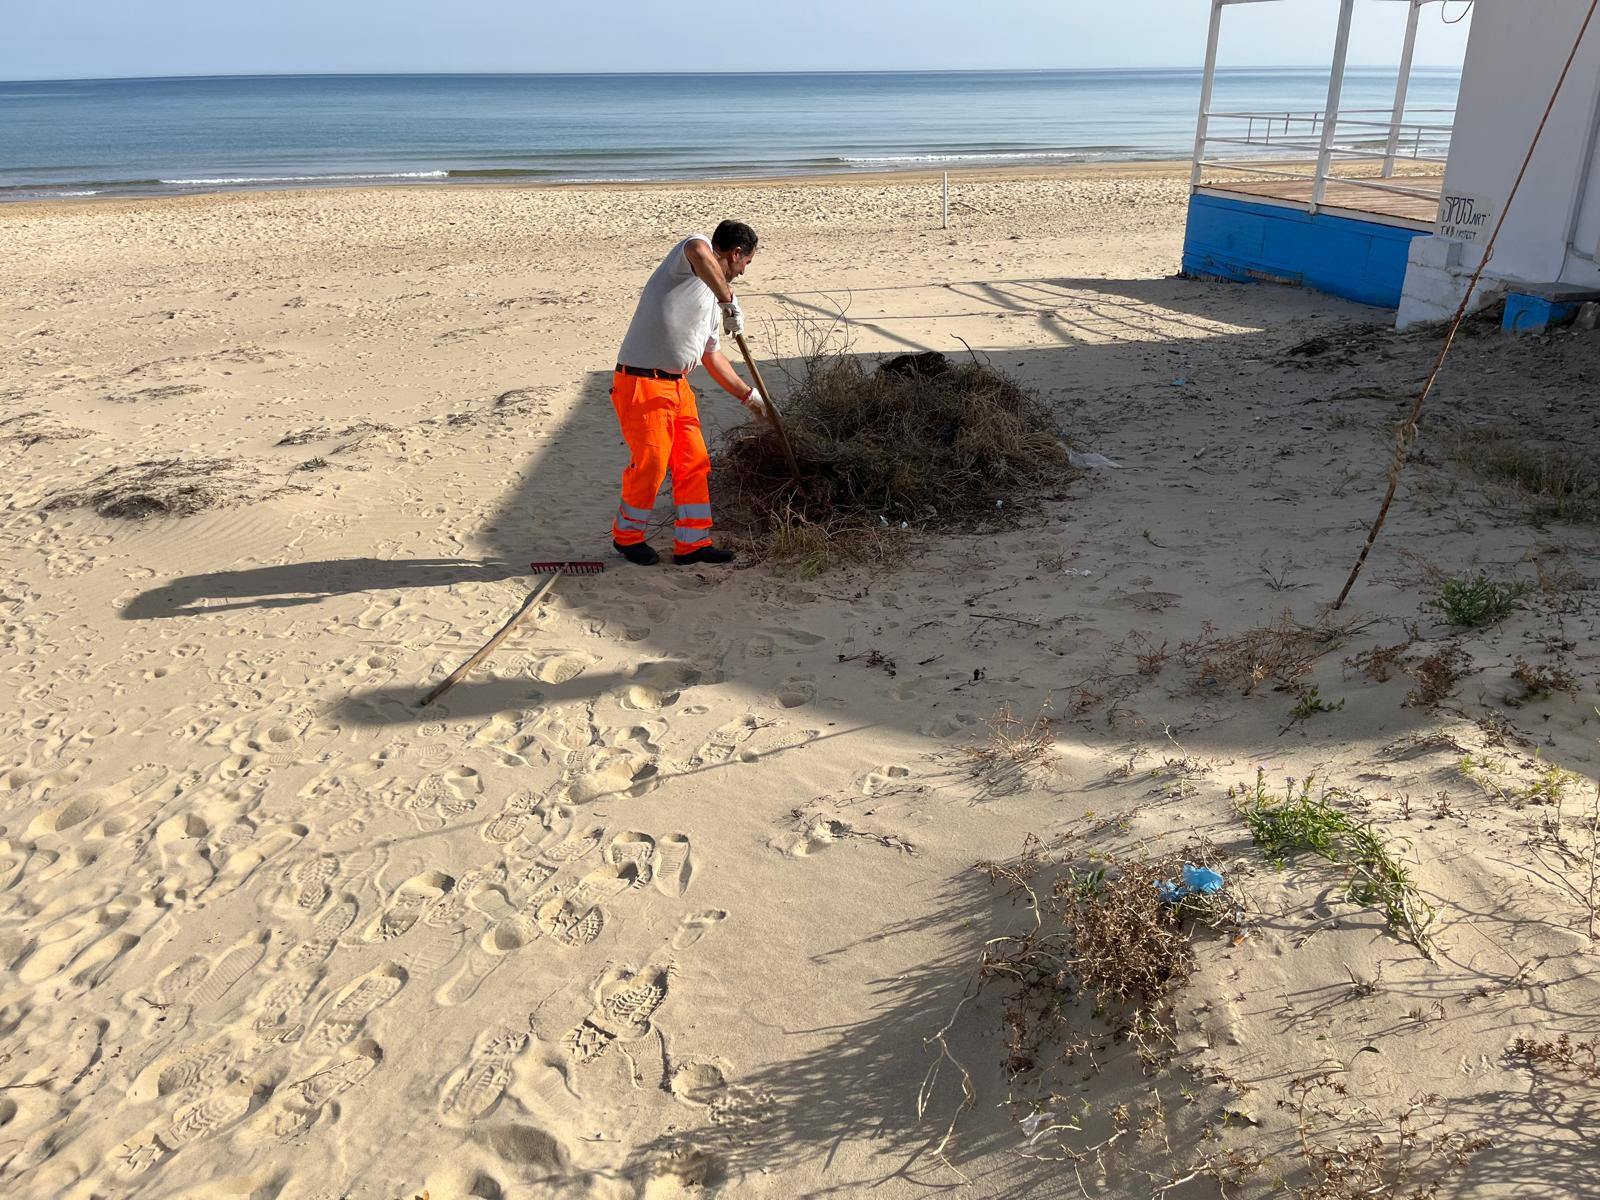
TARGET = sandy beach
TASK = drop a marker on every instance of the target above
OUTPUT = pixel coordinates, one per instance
(678, 895)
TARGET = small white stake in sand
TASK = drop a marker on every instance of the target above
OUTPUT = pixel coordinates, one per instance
(946, 224)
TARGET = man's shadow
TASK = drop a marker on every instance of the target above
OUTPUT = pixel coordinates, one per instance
(294, 584)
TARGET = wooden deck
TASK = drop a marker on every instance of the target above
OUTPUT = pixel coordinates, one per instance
(1347, 197)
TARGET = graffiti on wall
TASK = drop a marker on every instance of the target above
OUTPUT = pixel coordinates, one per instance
(1465, 218)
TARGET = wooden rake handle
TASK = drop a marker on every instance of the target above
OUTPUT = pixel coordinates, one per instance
(772, 409)
(460, 672)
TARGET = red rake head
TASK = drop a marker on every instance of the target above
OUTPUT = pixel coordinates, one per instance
(576, 567)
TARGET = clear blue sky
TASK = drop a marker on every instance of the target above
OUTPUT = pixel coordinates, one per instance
(54, 39)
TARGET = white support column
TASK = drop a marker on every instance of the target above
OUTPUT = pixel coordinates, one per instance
(1330, 118)
(1205, 90)
(1402, 85)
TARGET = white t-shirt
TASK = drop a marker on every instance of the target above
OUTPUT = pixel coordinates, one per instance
(676, 323)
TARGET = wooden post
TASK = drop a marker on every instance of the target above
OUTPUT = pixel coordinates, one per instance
(946, 224)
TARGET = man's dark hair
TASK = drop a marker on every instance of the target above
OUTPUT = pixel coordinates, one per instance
(734, 235)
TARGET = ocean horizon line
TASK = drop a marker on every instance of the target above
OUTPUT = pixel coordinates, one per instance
(1392, 68)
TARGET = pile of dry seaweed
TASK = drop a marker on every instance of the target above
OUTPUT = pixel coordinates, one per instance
(918, 443)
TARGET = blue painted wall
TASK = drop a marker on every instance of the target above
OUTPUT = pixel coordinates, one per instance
(1244, 241)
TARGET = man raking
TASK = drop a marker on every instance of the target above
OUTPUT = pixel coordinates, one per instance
(676, 327)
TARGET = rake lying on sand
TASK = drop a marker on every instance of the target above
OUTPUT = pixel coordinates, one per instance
(558, 569)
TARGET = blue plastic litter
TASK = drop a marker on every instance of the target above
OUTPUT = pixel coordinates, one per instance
(1196, 881)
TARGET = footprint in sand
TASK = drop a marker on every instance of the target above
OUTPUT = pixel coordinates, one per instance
(674, 866)
(682, 1174)
(698, 1084)
(726, 739)
(329, 926)
(169, 1001)
(658, 684)
(643, 740)
(695, 926)
(180, 844)
(60, 943)
(343, 1018)
(625, 1002)
(885, 779)
(278, 1005)
(611, 773)
(80, 1050)
(797, 690)
(406, 906)
(196, 1066)
(634, 849)
(463, 984)
(192, 1122)
(304, 883)
(473, 1089)
(244, 859)
(59, 818)
(230, 968)
(570, 843)
(950, 725)
(569, 732)
(96, 964)
(573, 916)
(815, 835)
(295, 1107)
(449, 793)
(561, 667)
(512, 821)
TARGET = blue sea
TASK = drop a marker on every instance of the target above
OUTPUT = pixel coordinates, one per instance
(110, 137)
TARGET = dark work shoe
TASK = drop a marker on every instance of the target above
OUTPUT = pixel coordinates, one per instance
(640, 553)
(706, 554)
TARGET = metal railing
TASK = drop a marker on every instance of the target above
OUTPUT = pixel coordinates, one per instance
(1352, 136)
(1330, 126)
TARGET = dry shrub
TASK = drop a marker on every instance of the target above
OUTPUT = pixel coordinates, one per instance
(1103, 933)
(1577, 1058)
(1562, 482)
(1437, 676)
(1351, 1153)
(1280, 655)
(1015, 753)
(1558, 579)
(1380, 663)
(172, 487)
(1542, 680)
(920, 440)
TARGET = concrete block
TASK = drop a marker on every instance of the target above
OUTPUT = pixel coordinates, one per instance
(1536, 314)
(1434, 253)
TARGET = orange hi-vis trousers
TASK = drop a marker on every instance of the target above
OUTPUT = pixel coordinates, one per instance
(662, 427)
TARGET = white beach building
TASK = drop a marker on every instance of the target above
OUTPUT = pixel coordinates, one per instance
(1334, 200)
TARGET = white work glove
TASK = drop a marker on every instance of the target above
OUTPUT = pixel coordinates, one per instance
(756, 405)
(732, 318)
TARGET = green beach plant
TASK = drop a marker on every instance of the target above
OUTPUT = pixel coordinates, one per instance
(1472, 602)
(1306, 819)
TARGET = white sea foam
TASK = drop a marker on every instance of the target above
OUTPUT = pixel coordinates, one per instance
(306, 178)
(999, 156)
